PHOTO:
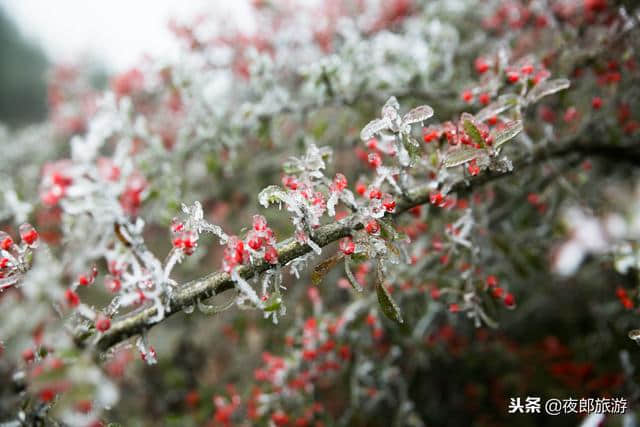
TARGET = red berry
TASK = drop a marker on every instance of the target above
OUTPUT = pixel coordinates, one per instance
(279, 418)
(372, 227)
(290, 182)
(347, 246)
(28, 355)
(492, 280)
(259, 223)
(47, 395)
(454, 308)
(513, 76)
(509, 300)
(83, 280)
(497, 292)
(388, 203)
(596, 102)
(103, 323)
(72, 298)
(375, 194)
(467, 96)
(29, 235)
(4, 262)
(271, 255)
(6, 242)
(112, 284)
(481, 65)
(436, 198)
(176, 225)
(473, 168)
(374, 160)
(484, 98)
(339, 182)
(254, 242)
(361, 188)
(570, 115)
(527, 69)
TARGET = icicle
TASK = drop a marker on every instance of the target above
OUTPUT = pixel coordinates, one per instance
(245, 288)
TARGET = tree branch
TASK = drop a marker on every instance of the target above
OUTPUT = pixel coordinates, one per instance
(188, 295)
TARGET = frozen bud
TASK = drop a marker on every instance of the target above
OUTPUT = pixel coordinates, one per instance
(29, 235)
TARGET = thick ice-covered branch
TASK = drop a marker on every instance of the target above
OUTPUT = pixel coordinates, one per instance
(188, 294)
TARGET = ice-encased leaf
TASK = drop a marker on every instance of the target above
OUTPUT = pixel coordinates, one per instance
(324, 267)
(547, 88)
(471, 129)
(387, 304)
(503, 103)
(390, 106)
(373, 127)
(509, 131)
(272, 194)
(418, 114)
(352, 279)
(460, 156)
(215, 309)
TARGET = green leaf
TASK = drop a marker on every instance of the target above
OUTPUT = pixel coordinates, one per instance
(324, 267)
(413, 148)
(472, 131)
(387, 304)
(273, 303)
(350, 276)
(509, 132)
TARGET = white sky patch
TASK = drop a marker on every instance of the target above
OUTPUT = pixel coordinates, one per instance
(117, 33)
